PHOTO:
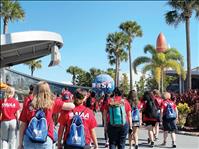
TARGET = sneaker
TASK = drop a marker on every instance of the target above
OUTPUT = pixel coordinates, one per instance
(173, 146)
(106, 145)
(156, 139)
(136, 146)
(152, 144)
(148, 140)
(163, 144)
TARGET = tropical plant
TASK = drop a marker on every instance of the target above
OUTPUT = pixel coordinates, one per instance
(111, 72)
(116, 43)
(140, 86)
(74, 71)
(182, 12)
(124, 84)
(157, 64)
(183, 111)
(33, 65)
(10, 11)
(132, 30)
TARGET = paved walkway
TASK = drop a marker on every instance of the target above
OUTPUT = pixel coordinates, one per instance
(183, 141)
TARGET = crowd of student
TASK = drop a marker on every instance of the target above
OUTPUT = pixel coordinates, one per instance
(74, 114)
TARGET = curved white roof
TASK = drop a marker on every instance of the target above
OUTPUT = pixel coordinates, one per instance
(23, 46)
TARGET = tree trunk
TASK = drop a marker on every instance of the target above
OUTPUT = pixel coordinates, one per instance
(73, 79)
(130, 67)
(32, 70)
(162, 80)
(5, 26)
(188, 53)
(118, 76)
(116, 69)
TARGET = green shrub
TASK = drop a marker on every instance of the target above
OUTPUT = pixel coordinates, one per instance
(183, 108)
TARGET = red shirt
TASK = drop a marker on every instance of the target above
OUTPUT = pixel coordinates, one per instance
(63, 112)
(28, 112)
(158, 101)
(118, 99)
(9, 108)
(88, 118)
(165, 102)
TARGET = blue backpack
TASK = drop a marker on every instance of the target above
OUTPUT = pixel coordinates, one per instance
(135, 115)
(37, 129)
(170, 112)
(76, 135)
(117, 113)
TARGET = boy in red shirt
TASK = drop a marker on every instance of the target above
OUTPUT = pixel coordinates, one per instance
(88, 118)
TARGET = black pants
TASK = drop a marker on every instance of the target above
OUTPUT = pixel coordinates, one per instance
(117, 136)
(72, 147)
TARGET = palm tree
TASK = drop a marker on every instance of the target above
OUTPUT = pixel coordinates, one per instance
(116, 43)
(33, 65)
(171, 58)
(111, 72)
(74, 71)
(10, 11)
(132, 30)
(182, 12)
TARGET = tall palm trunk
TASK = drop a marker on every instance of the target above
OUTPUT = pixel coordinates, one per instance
(187, 25)
(130, 67)
(162, 80)
(73, 78)
(117, 72)
(5, 26)
(32, 70)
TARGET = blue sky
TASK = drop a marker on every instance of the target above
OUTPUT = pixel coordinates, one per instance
(85, 25)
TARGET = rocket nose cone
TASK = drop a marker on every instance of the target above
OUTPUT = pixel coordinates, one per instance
(161, 45)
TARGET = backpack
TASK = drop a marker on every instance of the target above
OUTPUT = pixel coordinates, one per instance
(151, 110)
(117, 113)
(170, 112)
(37, 129)
(135, 115)
(76, 135)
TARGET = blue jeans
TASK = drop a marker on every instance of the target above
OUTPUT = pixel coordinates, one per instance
(117, 136)
(28, 144)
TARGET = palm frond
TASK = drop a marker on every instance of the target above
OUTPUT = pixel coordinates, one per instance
(174, 54)
(148, 67)
(173, 18)
(149, 48)
(140, 60)
(174, 65)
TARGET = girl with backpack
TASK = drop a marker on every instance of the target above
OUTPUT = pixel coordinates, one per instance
(150, 113)
(82, 120)
(9, 109)
(133, 134)
(42, 105)
(117, 119)
(158, 101)
(168, 116)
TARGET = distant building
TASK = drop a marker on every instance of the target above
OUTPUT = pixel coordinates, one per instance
(21, 82)
(179, 85)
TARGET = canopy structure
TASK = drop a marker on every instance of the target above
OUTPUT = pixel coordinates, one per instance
(19, 47)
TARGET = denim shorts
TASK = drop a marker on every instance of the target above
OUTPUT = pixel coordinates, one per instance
(28, 144)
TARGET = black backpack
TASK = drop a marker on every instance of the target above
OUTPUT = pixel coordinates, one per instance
(151, 110)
